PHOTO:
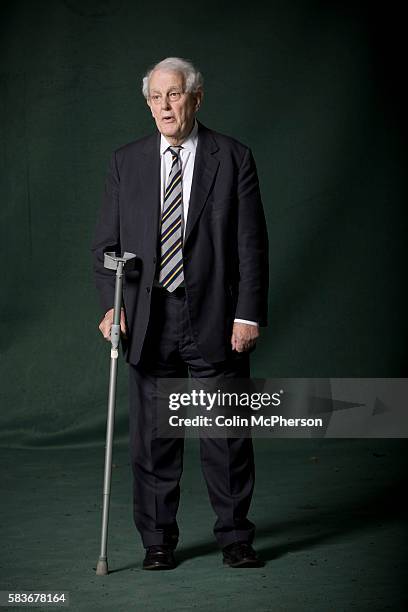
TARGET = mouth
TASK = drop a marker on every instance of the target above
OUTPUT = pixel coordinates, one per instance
(168, 119)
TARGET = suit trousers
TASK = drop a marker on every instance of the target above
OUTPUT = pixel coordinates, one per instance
(170, 351)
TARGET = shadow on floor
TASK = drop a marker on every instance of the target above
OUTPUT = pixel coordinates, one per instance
(355, 515)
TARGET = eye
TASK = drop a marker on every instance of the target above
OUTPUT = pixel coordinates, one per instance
(155, 97)
(174, 95)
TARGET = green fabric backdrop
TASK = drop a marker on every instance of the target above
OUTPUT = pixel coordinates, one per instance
(310, 87)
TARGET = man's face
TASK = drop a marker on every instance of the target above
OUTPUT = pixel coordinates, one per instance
(172, 109)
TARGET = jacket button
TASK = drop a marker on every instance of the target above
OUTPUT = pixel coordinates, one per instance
(154, 260)
(148, 289)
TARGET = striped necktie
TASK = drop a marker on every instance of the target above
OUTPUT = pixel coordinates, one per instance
(171, 254)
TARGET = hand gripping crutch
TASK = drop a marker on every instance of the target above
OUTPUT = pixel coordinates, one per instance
(112, 262)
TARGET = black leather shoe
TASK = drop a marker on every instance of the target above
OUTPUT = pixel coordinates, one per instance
(159, 558)
(241, 554)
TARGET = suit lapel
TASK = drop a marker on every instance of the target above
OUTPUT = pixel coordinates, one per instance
(205, 169)
(149, 181)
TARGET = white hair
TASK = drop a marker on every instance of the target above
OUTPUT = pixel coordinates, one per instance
(193, 79)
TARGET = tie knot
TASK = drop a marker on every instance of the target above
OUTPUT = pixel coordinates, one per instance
(175, 151)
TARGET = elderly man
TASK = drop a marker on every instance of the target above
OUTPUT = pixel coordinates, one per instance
(186, 200)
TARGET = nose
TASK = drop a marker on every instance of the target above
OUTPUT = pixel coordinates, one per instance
(165, 104)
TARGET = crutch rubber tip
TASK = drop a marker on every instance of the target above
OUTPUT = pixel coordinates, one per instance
(102, 568)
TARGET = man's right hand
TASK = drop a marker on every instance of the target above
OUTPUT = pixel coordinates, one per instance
(107, 321)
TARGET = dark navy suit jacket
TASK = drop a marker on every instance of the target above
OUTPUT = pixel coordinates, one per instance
(225, 252)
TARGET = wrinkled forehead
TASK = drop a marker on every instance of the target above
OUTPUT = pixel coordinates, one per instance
(163, 80)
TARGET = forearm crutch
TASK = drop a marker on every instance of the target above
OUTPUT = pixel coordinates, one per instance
(118, 263)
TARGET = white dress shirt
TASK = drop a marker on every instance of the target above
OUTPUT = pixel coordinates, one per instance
(187, 156)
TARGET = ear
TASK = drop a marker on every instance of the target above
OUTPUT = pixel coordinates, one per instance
(198, 99)
(150, 106)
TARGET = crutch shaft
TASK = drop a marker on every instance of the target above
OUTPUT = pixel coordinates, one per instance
(118, 263)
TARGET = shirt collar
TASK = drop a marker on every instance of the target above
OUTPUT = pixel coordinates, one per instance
(190, 144)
